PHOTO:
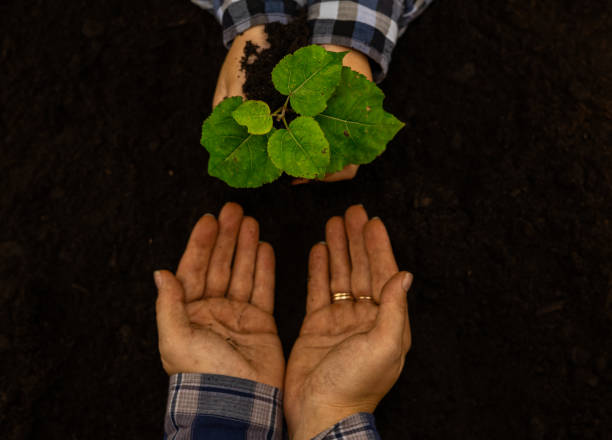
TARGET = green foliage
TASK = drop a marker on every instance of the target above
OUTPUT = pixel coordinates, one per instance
(255, 115)
(342, 122)
(236, 157)
(308, 77)
(301, 150)
(355, 123)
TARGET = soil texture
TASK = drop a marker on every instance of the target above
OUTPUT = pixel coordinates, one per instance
(258, 64)
(497, 195)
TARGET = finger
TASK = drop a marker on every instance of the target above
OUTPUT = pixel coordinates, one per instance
(339, 264)
(218, 275)
(347, 173)
(318, 278)
(241, 283)
(380, 255)
(299, 181)
(263, 288)
(172, 319)
(192, 268)
(355, 220)
(392, 328)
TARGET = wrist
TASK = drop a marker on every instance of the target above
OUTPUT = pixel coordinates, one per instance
(353, 59)
(256, 34)
(319, 418)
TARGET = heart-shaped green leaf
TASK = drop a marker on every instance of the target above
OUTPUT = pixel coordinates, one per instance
(301, 150)
(309, 76)
(236, 157)
(354, 122)
(255, 115)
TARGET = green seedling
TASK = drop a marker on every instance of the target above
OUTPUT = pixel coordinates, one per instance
(340, 121)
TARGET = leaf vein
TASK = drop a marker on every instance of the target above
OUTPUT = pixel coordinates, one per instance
(233, 151)
(365, 124)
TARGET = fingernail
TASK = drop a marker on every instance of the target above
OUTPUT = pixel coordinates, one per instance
(208, 214)
(375, 218)
(322, 242)
(406, 281)
(157, 277)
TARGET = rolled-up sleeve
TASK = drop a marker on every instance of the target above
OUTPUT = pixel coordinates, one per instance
(359, 426)
(210, 406)
(236, 16)
(369, 26)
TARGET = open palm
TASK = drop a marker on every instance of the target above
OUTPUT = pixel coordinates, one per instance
(217, 319)
(349, 353)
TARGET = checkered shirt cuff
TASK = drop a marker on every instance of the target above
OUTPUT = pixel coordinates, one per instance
(236, 16)
(199, 400)
(369, 26)
(359, 426)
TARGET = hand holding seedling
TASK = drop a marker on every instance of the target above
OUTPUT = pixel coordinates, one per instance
(216, 318)
(357, 62)
(231, 77)
(349, 354)
(339, 123)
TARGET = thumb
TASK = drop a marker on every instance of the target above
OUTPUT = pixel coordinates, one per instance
(393, 308)
(170, 306)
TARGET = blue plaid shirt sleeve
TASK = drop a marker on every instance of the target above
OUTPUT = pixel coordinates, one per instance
(236, 16)
(210, 406)
(369, 26)
(358, 426)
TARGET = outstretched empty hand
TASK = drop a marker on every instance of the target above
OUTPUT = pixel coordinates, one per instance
(215, 316)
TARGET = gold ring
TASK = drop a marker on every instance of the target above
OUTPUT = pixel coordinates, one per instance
(366, 298)
(342, 296)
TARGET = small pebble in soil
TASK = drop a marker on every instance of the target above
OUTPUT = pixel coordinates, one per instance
(601, 364)
(5, 343)
(554, 306)
(579, 91)
(422, 201)
(584, 376)
(580, 356)
(457, 141)
(92, 28)
(125, 333)
(465, 73)
(537, 429)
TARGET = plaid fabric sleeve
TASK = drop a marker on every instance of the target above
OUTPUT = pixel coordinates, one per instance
(369, 26)
(358, 426)
(210, 406)
(236, 16)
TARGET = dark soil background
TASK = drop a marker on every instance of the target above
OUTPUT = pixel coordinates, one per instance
(497, 195)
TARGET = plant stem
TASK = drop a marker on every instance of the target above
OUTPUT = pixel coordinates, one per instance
(282, 110)
(285, 108)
